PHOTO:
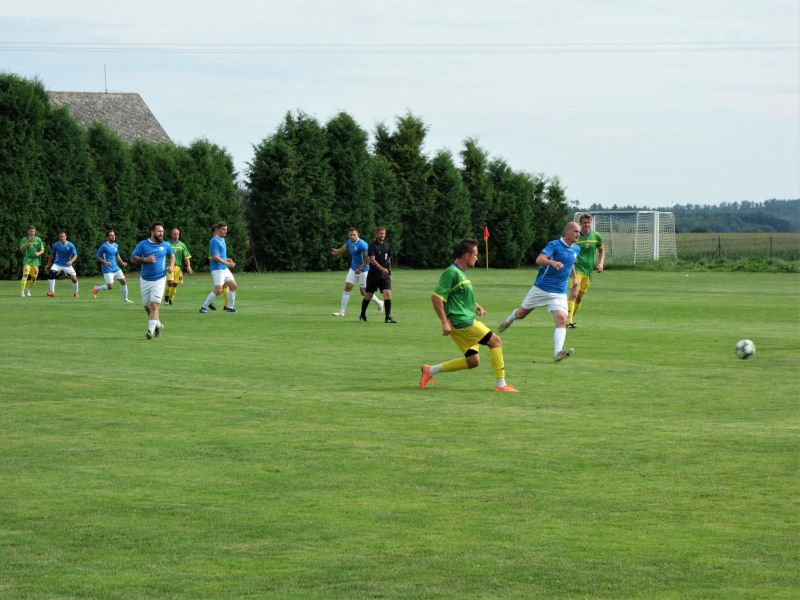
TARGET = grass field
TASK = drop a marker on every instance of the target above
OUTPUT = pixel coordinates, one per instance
(739, 245)
(280, 452)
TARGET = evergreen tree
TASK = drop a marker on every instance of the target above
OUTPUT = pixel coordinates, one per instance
(451, 218)
(24, 108)
(475, 175)
(387, 201)
(349, 162)
(511, 215)
(403, 150)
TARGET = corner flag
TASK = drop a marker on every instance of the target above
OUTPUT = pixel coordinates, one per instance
(486, 243)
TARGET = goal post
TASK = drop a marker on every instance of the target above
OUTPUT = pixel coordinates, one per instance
(636, 236)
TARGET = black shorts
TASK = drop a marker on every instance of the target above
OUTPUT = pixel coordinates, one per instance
(379, 283)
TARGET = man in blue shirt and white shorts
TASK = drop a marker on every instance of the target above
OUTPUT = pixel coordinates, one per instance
(359, 267)
(220, 268)
(151, 254)
(63, 255)
(556, 264)
(110, 260)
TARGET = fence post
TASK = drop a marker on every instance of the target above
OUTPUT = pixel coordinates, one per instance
(770, 246)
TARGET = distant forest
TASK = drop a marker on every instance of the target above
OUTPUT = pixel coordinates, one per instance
(769, 216)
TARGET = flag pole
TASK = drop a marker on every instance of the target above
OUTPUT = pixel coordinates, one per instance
(486, 244)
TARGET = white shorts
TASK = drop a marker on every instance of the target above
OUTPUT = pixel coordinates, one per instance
(63, 269)
(536, 298)
(109, 278)
(360, 279)
(220, 276)
(152, 291)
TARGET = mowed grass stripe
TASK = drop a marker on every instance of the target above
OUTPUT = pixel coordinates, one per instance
(282, 452)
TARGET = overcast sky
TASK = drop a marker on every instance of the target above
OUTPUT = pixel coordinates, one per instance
(645, 102)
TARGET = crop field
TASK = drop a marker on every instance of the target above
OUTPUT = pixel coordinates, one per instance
(739, 245)
(281, 452)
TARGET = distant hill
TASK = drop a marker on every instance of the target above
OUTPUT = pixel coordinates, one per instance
(769, 216)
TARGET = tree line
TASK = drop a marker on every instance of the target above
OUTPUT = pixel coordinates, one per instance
(307, 183)
(769, 216)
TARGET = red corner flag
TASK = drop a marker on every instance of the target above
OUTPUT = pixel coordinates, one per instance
(486, 243)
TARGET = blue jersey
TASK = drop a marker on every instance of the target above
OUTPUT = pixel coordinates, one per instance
(152, 271)
(217, 247)
(108, 252)
(357, 252)
(551, 279)
(61, 253)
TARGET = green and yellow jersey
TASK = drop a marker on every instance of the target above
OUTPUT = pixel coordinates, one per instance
(589, 245)
(29, 256)
(455, 289)
(181, 252)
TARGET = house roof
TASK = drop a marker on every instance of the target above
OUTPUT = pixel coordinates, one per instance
(127, 115)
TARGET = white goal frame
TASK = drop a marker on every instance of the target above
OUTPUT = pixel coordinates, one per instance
(632, 237)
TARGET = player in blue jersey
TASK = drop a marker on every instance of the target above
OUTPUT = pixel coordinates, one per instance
(556, 264)
(110, 260)
(359, 267)
(220, 268)
(151, 254)
(63, 255)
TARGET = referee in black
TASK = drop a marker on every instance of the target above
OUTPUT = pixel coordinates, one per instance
(379, 276)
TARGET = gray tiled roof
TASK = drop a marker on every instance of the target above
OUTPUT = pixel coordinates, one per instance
(125, 114)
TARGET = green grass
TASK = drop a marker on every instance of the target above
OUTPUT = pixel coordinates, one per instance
(784, 246)
(281, 452)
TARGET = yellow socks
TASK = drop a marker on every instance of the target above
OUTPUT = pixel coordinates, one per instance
(498, 364)
(457, 364)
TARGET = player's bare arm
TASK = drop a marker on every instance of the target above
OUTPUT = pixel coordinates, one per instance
(479, 310)
(339, 250)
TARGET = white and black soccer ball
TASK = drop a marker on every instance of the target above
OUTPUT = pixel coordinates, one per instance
(745, 349)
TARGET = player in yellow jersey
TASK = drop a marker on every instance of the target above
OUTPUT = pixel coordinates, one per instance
(32, 249)
(591, 245)
(175, 277)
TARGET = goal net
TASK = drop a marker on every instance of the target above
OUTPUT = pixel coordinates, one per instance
(633, 237)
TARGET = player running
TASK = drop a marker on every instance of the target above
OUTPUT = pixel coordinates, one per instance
(32, 248)
(151, 254)
(591, 245)
(556, 262)
(63, 255)
(175, 276)
(454, 303)
(110, 260)
(220, 268)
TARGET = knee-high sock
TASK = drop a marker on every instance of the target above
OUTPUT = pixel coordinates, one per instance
(209, 299)
(387, 307)
(231, 298)
(75, 288)
(364, 306)
(51, 285)
(376, 300)
(22, 283)
(577, 307)
(559, 335)
(457, 364)
(344, 302)
(498, 363)
(123, 289)
(102, 288)
(571, 314)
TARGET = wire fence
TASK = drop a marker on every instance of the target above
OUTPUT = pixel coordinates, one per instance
(738, 245)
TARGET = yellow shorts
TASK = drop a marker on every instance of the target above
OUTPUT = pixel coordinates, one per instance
(30, 271)
(584, 281)
(175, 276)
(468, 338)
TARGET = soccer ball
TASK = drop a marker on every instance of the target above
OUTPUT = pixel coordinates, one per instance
(745, 348)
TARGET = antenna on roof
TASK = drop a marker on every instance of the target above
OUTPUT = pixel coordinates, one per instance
(105, 76)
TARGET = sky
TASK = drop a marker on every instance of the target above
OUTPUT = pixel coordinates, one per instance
(644, 102)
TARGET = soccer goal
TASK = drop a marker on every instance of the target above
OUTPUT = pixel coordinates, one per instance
(632, 237)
